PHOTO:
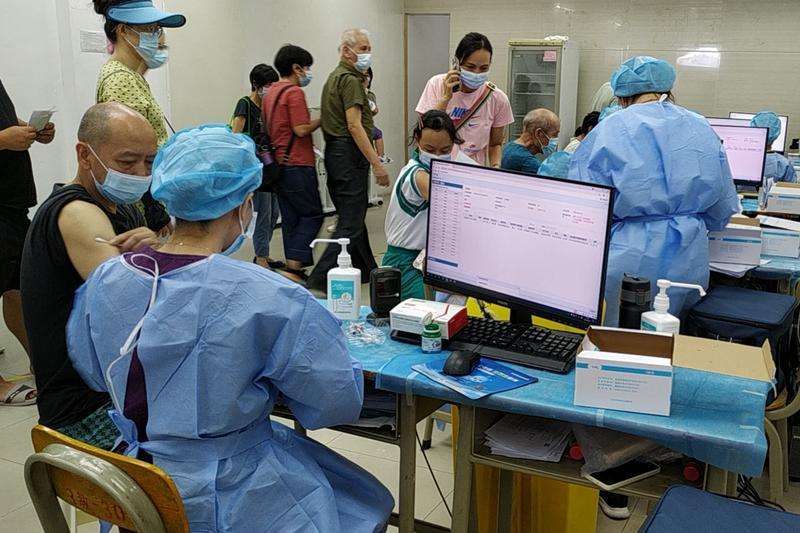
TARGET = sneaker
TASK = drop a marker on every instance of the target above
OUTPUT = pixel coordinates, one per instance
(614, 506)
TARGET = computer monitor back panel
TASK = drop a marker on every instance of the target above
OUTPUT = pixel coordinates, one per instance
(719, 121)
(779, 144)
(535, 244)
(746, 149)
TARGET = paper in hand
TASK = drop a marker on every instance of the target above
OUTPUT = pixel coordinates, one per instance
(40, 118)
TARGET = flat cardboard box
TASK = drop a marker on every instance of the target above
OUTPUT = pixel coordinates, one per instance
(739, 243)
(650, 392)
(784, 198)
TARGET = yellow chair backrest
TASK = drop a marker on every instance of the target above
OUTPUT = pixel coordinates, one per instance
(127, 492)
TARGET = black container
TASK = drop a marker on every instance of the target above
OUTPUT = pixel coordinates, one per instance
(634, 299)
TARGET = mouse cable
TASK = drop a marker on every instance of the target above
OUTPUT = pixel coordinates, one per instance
(435, 481)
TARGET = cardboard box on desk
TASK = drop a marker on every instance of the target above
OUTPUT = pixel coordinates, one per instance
(411, 316)
(780, 237)
(739, 243)
(784, 198)
(628, 370)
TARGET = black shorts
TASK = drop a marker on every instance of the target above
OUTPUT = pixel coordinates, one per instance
(14, 225)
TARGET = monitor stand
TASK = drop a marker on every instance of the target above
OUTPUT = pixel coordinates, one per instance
(520, 317)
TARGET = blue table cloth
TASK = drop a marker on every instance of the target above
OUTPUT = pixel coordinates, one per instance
(715, 418)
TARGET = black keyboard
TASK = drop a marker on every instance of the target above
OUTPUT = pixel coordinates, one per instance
(525, 345)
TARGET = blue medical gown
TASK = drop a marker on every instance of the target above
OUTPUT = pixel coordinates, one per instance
(779, 168)
(221, 341)
(673, 185)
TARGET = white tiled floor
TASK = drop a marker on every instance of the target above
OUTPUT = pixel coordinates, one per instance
(17, 514)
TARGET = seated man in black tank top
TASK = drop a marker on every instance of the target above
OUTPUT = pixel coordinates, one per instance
(78, 227)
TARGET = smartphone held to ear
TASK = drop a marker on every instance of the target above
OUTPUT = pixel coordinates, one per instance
(454, 65)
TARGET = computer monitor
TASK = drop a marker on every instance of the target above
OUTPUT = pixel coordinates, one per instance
(536, 244)
(779, 144)
(746, 149)
(719, 121)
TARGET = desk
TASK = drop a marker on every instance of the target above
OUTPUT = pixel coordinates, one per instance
(715, 418)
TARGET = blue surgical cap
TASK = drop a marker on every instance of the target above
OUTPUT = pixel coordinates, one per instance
(769, 120)
(202, 173)
(143, 12)
(643, 74)
(610, 110)
(556, 165)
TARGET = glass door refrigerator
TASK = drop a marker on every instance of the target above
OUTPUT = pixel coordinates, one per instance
(543, 73)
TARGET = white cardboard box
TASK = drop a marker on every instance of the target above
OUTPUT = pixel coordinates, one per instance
(738, 243)
(628, 370)
(622, 381)
(411, 316)
(780, 237)
(780, 242)
(784, 198)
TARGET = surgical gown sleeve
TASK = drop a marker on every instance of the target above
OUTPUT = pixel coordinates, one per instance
(786, 171)
(311, 365)
(717, 216)
(81, 349)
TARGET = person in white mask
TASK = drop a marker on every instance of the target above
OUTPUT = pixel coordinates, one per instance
(195, 348)
(406, 219)
(135, 32)
(348, 126)
(479, 109)
(88, 220)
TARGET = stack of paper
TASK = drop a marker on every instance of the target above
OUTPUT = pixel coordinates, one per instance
(734, 270)
(524, 437)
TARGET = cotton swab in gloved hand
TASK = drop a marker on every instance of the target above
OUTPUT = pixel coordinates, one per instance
(103, 241)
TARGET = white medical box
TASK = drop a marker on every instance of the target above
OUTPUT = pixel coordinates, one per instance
(739, 243)
(411, 316)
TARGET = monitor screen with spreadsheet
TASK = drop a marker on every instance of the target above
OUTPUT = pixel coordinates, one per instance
(746, 149)
(531, 243)
(779, 144)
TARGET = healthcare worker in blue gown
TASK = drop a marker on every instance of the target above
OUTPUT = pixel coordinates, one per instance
(776, 166)
(671, 179)
(195, 347)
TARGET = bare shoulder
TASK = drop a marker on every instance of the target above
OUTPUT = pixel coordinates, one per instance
(80, 218)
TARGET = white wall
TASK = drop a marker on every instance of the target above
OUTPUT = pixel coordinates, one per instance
(212, 55)
(757, 43)
(35, 83)
(42, 66)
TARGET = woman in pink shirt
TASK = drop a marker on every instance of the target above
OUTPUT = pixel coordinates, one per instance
(480, 110)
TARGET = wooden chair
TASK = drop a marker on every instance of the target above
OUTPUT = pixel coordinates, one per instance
(129, 493)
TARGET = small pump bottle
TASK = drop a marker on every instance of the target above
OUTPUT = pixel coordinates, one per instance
(659, 318)
(344, 284)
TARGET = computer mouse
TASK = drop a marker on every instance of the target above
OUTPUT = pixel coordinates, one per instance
(461, 363)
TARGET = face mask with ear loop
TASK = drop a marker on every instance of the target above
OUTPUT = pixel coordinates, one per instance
(150, 50)
(245, 234)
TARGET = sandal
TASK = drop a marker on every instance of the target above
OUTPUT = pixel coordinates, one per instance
(19, 396)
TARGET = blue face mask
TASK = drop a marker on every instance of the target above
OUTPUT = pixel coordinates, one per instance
(472, 80)
(550, 148)
(149, 50)
(425, 158)
(306, 79)
(244, 235)
(363, 62)
(120, 188)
